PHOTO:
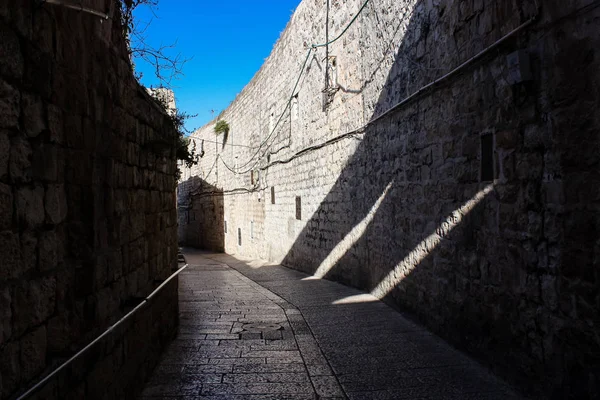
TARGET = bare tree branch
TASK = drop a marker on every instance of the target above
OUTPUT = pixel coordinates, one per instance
(167, 67)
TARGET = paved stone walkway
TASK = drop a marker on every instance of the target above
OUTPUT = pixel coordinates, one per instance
(254, 331)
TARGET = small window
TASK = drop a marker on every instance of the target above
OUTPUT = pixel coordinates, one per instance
(239, 236)
(298, 208)
(225, 226)
(487, 157)
(254, 177)
(272, 194)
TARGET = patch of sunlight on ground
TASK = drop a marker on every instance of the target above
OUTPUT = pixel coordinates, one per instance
(357, 298)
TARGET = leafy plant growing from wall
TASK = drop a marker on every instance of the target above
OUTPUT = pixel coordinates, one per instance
(222, 127)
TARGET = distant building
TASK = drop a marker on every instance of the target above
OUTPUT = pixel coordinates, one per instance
(165, 96)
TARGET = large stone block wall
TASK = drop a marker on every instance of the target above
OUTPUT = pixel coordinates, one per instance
(201, 220)
(504, 266)
(87, 202)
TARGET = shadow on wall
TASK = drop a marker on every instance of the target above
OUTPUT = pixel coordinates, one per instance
(201, 212)
(411, 219)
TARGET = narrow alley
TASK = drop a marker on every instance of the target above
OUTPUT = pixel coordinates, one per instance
(252, 330)
(376, 199)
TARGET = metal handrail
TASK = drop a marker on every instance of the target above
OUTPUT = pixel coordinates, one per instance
(41, 383)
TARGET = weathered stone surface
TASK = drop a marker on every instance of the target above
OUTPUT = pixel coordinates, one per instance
(60, 333)
(58, 94)
(507, 139)
(33, 353)
(9, 106)
(4, 13)
(4, 153)
(5, 316)
(6, 207)
(55, 204)
(45, 163)
(11, 59)
(73, 131)
(10, 254)
(55, 123)
(20, 160)
(34, 120)
(29, 250)
(35, 301)
(30, 206)
(49, 250)
(10, 367)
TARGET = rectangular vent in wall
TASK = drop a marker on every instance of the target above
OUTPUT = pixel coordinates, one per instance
(272, 194)
(225, 224)
(298, 208)
(487, 157)
(239, 236)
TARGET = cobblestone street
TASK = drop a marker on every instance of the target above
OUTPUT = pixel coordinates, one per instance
(250, 330)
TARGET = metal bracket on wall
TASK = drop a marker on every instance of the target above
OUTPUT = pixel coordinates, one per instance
(327, 97)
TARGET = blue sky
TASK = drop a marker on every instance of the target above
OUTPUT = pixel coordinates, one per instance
(227, 40)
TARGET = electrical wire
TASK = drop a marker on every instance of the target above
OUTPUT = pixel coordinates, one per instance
(214, 141)
(315, 147)
(345, 29)
(590, 6)
(276, 124)
(454, 71)
(395, 107)
(229, 192)
(312, 48)
(298, 154)
(405, 100)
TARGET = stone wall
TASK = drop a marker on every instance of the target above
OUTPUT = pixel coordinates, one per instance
(87, 201)
(201, 215)
(474, 205)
